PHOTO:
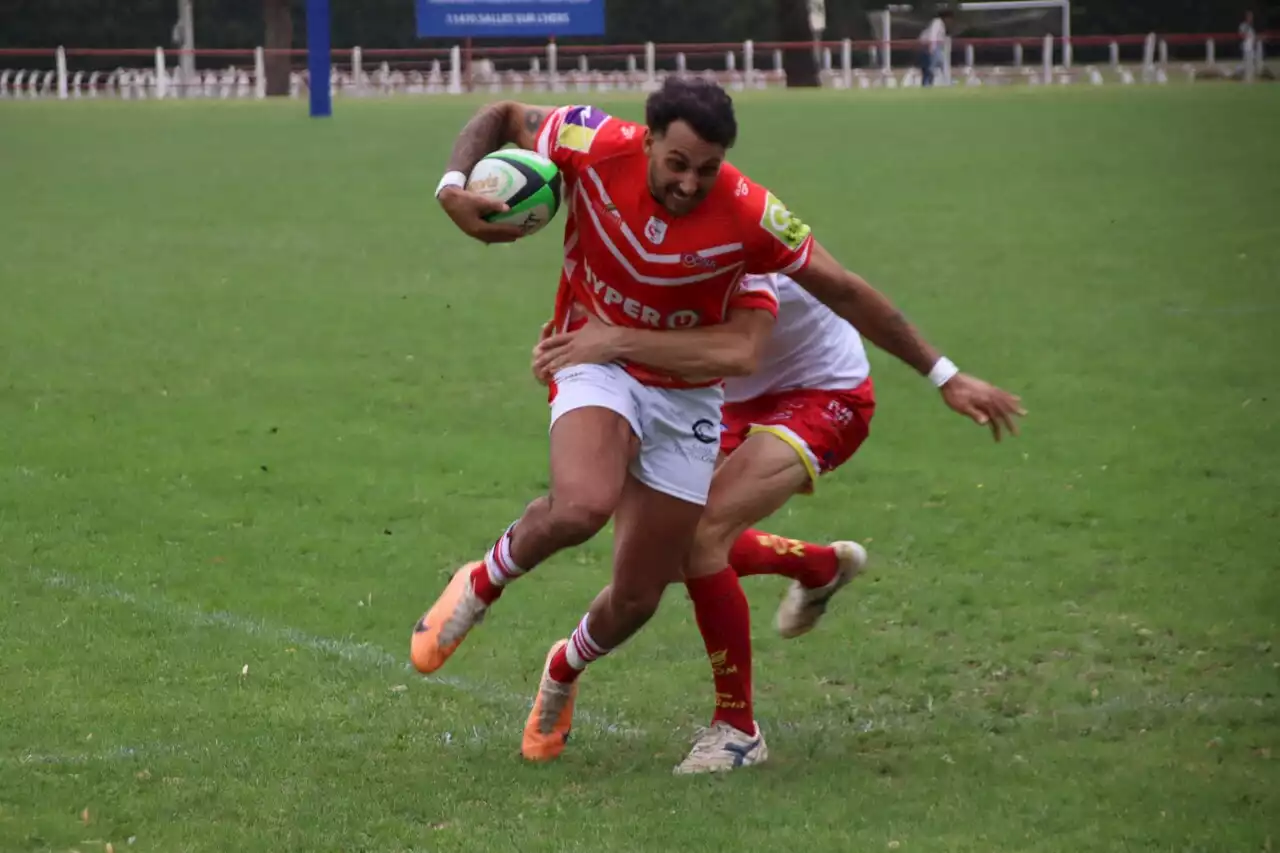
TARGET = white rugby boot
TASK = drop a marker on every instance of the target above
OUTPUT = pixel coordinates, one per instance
(721, 747)
(802, 607)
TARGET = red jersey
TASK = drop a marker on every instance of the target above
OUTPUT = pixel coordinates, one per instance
(632, 263)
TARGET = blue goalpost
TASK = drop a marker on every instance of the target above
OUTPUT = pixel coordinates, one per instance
(318, 60)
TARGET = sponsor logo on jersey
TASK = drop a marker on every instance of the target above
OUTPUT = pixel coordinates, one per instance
(705, 431)
(579, 128)
(690, 259)
(634, 308)
(780, 222)
(587, 116)
(655, 230)
(683, 319)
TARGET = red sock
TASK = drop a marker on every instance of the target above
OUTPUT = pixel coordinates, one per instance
(720, 606)
(486, 589)
(759, 553)
(572, 658)
(560, 669)
(496, 570)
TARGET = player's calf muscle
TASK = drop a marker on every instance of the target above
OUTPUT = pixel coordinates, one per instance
(550, 525)
(578, 517)
(653, 536)
(568, 516)
(625, 612)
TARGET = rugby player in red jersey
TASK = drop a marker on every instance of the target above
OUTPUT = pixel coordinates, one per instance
(798, 404)
(659, 233)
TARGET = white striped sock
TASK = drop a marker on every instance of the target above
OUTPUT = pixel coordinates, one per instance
(582, 650)
(502, 569)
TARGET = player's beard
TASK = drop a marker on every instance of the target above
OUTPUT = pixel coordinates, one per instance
(665, 197)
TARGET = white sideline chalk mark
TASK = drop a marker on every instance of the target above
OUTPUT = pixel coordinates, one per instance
(861, 721)
(118, 753)
(362, 654)
(471, 736)
(870, 722)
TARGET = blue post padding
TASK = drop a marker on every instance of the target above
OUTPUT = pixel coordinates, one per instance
(318, 61)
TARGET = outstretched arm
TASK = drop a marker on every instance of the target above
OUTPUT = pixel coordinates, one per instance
(493, 127)
(866, 309)
(732, 348)
(876, 319)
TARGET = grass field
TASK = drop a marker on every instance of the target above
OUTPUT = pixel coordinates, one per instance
(258, 398)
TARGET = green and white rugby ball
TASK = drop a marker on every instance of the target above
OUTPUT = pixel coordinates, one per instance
(528, 183)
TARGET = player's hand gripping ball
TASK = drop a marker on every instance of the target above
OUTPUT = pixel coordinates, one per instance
(525, 184)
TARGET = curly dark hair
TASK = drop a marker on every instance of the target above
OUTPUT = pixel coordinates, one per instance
(701, 104)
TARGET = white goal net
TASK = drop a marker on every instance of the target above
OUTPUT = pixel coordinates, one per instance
(1000, 19)
(991, 41)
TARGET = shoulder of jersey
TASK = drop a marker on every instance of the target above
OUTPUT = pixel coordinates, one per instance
(759, 210)
(588, 130)
(737, 194)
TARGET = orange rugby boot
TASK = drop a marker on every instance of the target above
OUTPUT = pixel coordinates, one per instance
(547, 729)
(445, 625)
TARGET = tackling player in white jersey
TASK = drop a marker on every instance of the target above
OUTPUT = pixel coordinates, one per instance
(659, 231)
(798, 404)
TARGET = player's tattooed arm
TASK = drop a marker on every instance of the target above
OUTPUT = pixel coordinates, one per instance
(866, 309)
(529, 120)
(494, 126)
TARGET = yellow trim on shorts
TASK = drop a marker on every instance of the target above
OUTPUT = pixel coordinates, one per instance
(793, 443)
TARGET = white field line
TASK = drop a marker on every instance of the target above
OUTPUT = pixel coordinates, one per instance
(364, 655)
(369, 656)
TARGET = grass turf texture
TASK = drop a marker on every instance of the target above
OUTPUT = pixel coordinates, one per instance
(259, 398)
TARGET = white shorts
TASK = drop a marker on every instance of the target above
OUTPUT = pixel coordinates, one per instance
(678, 428)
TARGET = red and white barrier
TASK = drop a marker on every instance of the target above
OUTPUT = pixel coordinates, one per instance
(70, 73)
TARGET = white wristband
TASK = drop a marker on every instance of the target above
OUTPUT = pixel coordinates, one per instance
(451, 179)
(944, 370)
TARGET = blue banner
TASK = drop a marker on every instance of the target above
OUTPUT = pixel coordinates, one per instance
(509, 18)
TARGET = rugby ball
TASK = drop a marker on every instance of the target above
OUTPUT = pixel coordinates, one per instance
(528, 183)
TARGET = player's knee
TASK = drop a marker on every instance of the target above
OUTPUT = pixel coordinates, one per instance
(706, 557)
(704, 562)
(575, 520)
(714, 538)
(634, 605)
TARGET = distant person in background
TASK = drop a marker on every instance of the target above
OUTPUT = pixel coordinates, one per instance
(1248, 47)
(933, 39)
